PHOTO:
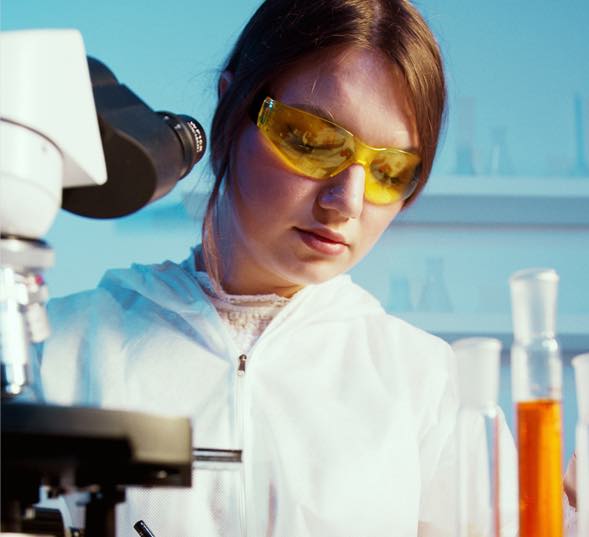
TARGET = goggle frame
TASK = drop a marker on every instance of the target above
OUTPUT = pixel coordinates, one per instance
(375, 191)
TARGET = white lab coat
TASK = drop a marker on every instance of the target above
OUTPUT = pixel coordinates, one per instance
(346, 415)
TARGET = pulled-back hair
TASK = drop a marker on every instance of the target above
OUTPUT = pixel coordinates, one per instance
(283, 32)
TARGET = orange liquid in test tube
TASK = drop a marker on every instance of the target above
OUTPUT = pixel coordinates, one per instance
(539, 436)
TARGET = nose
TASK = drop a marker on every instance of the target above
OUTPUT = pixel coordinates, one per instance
(344, 193)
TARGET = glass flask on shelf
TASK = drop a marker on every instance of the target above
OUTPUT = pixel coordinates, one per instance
(499, 163)
(465, 127)
(581, 367)
(478, 480)
(400, 294)
(434, 295)
(536, 373)
(580, 168)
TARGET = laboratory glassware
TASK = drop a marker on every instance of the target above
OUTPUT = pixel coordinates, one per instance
(581, 168)
(465, 128)
(581, 367)
(536, 372)
(478, 483)
(500, 163)
(434, 295)
(400, 294)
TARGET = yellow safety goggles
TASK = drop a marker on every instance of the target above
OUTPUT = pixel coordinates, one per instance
(319, 149)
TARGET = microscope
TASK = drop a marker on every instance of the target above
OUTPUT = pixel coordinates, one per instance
(73, 137)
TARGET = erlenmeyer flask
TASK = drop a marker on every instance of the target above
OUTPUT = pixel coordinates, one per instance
(400, 295)
(536, 372)
(434, 293)
(500, 163)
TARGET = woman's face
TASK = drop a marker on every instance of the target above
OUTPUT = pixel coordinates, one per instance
(280, 230)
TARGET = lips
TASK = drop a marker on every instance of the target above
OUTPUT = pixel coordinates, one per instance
(328, 235)
(323, 240)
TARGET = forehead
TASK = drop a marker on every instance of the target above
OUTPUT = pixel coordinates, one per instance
(358, 88)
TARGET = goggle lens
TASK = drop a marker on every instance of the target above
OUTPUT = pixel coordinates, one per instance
(319, 149)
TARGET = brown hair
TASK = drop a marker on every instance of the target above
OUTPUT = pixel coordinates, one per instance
(282, 32)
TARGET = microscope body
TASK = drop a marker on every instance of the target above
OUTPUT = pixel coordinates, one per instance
(73, 137)
(49, 140)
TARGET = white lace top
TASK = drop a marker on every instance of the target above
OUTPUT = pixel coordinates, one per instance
(247, 316)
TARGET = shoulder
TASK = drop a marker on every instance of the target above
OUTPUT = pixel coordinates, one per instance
(390, 341)
(425, 361)
(122, 297)
(428, 360)
(167, 284)
(434, 352)
(94, 333)
(343, 299)
(71, 311)
(349, 300)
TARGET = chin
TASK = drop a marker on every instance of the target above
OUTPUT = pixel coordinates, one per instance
(313, 275)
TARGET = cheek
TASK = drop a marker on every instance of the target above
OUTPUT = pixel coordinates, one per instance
(263, 182)
(376, 221)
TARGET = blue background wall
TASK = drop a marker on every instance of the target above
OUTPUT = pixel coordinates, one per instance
(513, 66)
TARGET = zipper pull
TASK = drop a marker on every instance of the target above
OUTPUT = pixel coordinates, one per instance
(241, 368)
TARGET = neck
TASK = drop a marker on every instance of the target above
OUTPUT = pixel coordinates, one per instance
(240, 273)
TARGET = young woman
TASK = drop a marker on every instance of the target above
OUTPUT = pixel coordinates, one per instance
(327, 124)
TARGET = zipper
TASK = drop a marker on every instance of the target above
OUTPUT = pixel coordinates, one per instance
(240, 418)
(241, 367)
(241, 425)
(239, 389)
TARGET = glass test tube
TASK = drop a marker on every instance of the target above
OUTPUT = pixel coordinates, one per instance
(478, 503)
(581, 366)
(536, 372)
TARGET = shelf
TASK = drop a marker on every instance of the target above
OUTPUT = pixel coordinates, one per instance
(451, 200)
(512, 186)
(515, 201)
(572, 330)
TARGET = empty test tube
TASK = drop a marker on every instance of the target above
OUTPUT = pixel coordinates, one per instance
(581, 367)
(478, 483)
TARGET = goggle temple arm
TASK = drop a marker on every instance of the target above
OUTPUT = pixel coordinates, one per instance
(256, 105)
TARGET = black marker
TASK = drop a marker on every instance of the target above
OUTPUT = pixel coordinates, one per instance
(142, 529)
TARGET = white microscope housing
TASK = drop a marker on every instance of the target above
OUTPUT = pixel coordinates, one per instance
(49, 140)
(66, 123)
(49, 135)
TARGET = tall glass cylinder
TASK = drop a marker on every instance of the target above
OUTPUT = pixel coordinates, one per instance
(581, 366)
(478, 362)
(536, 372)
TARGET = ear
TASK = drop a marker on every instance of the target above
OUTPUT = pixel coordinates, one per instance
(224, 82)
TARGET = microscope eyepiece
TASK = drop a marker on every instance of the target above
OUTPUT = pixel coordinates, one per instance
(191, 136)
(146, 152)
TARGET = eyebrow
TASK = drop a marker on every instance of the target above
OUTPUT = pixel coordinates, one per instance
(324, 114)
